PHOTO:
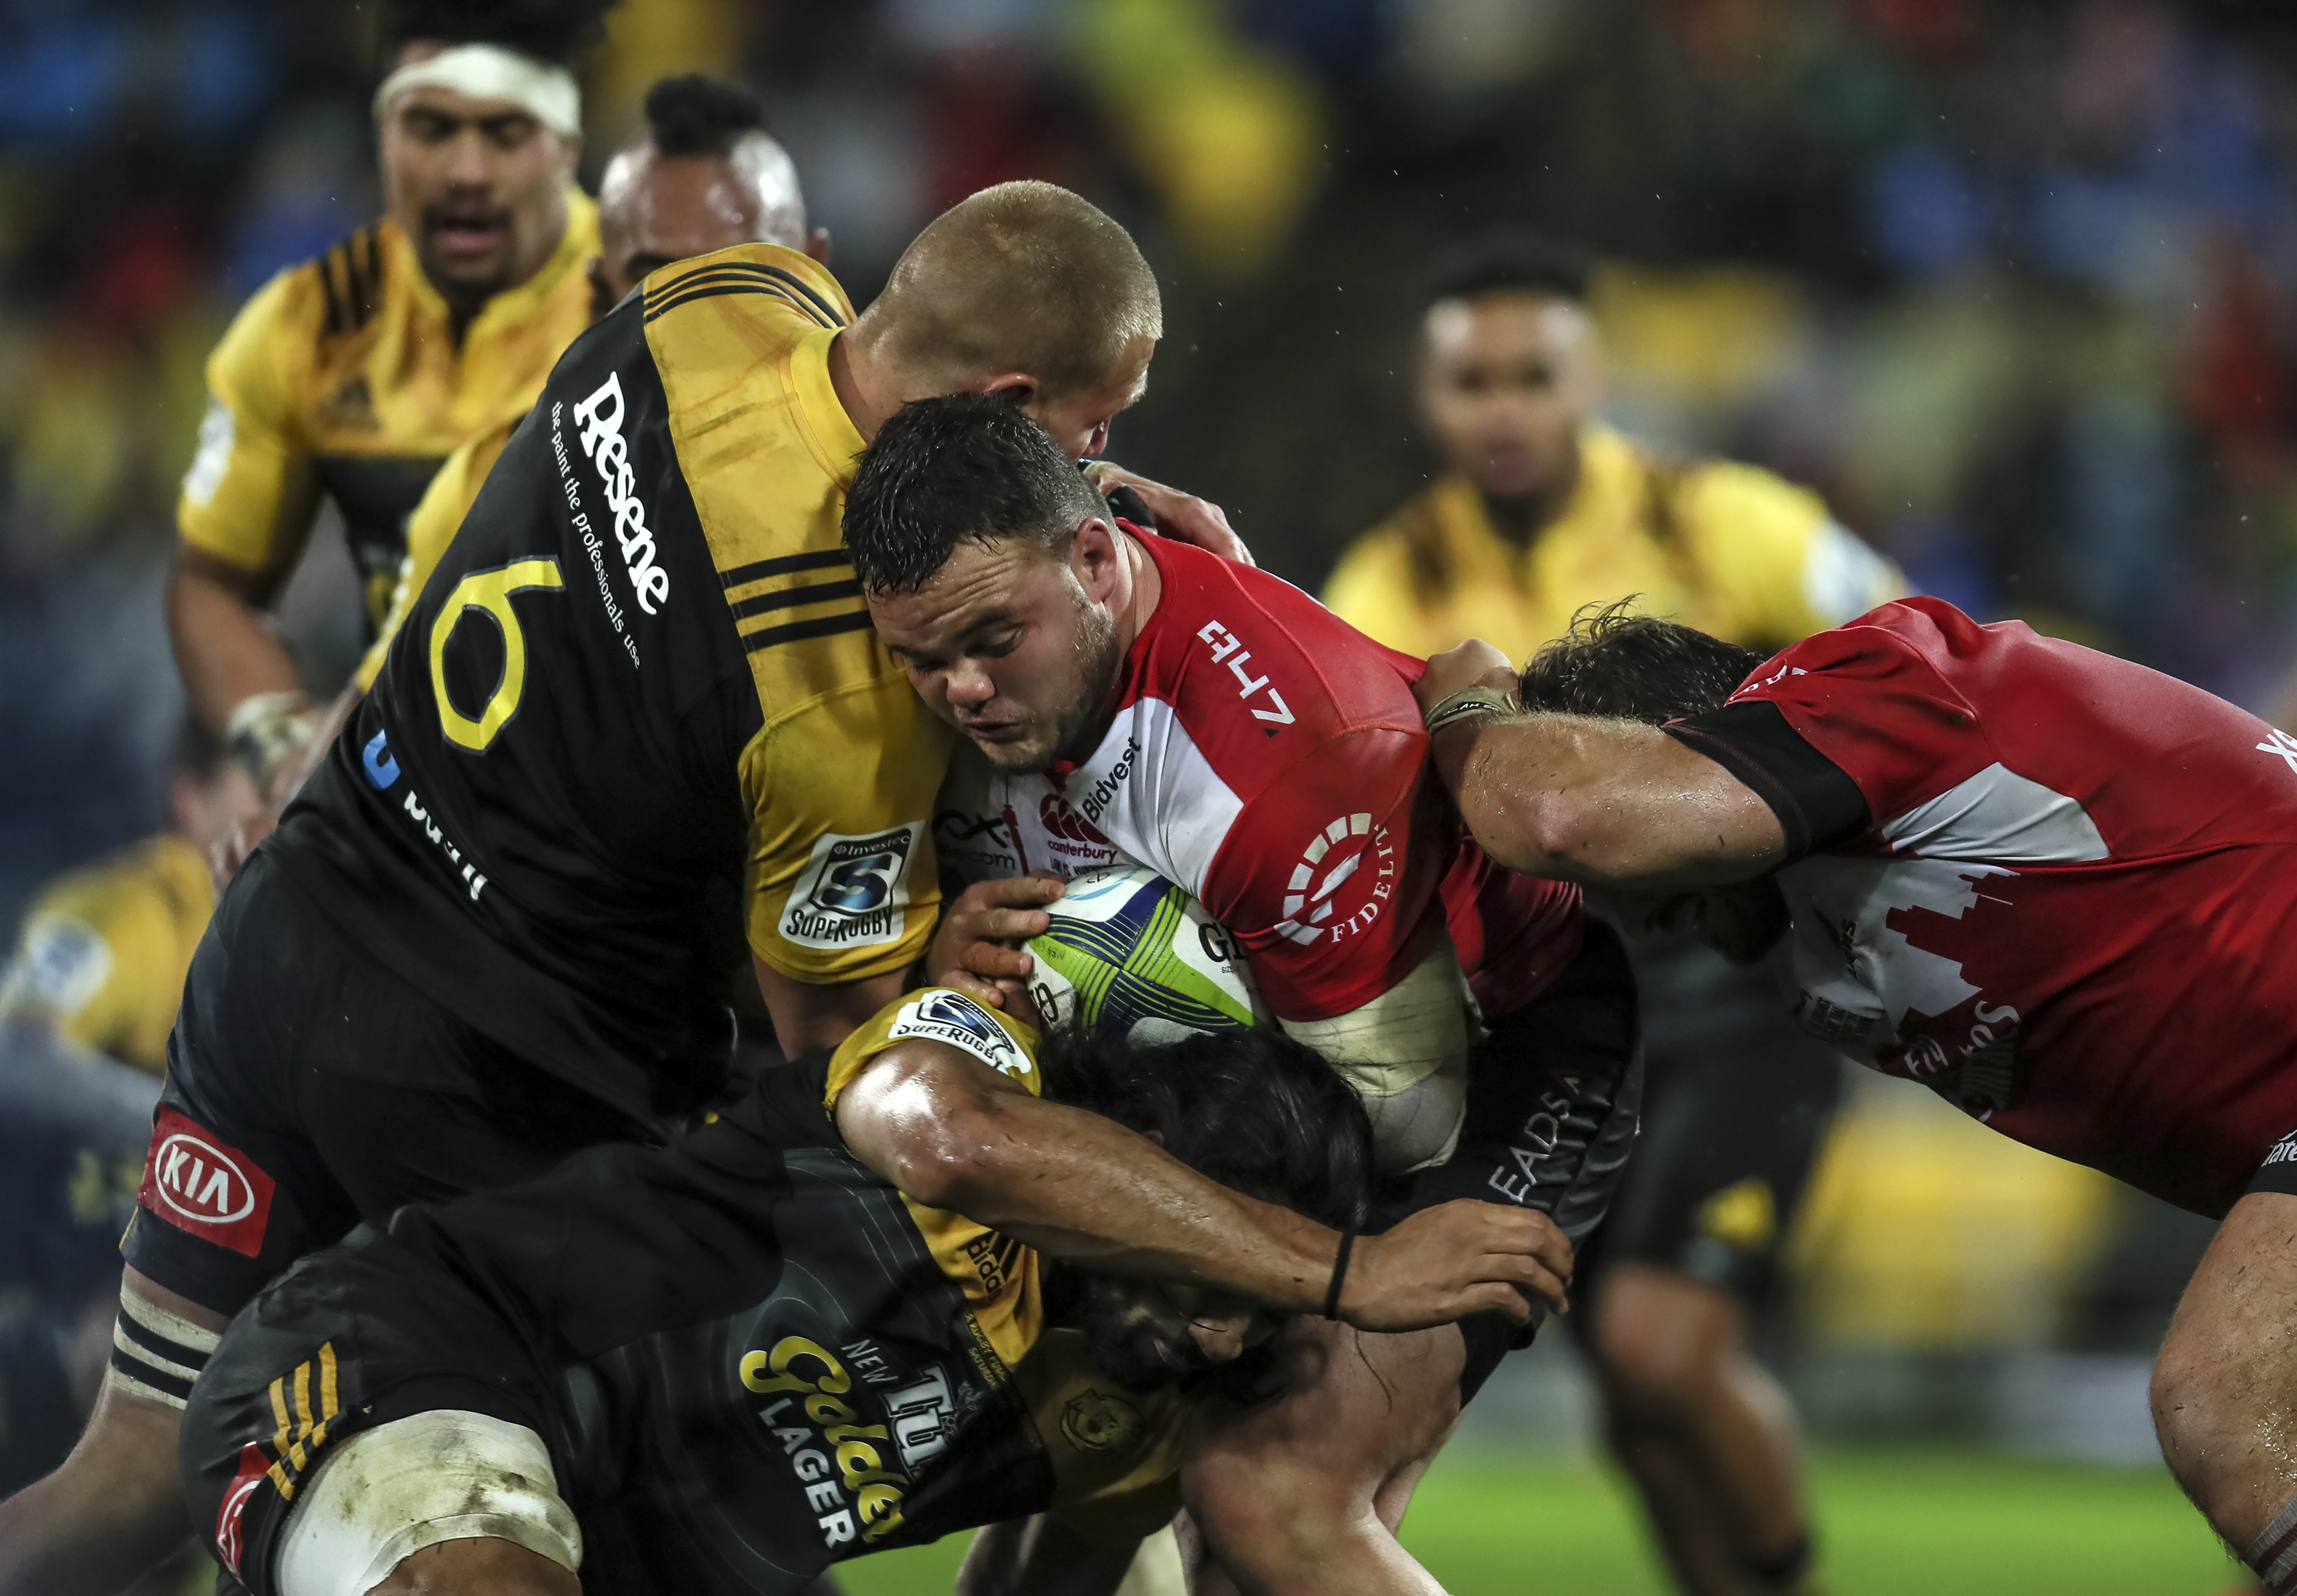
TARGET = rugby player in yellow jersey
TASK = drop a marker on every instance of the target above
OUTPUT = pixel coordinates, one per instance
(103, 949)
(1541, 510)
(351, 377)
(498, 921)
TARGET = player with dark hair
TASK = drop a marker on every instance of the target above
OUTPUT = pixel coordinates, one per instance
(352, 377)
(902, 1357)
(2054, 887)
(1123, 700)
(634, 737)
(1541, 509)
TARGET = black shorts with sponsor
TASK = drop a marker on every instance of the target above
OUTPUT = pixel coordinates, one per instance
(1554, 1091)
(2278, 1170)
(1737, 1100)
(828, 1395)
(308, 1087)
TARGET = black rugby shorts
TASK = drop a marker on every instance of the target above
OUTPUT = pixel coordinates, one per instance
(1554, 1091)
(308, 1087)
(1737, 1099)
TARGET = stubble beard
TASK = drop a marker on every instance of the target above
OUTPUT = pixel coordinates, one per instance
(1097, 661)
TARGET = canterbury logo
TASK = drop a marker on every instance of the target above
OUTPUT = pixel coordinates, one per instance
(1062, 821)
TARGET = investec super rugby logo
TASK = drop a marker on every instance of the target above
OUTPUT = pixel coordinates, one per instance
(196, 1182)
(1314, 905)
(854, 891)
(956, 1020)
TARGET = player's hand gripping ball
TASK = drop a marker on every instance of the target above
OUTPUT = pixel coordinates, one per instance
(1129, 954)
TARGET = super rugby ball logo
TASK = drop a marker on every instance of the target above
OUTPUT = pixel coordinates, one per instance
(854, 891)
(196, 1182)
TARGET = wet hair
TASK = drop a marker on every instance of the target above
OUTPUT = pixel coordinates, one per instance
(966, 468)
(550, 31)
(1616, 663)
(1513, 262)
(696, 114)
(195, 751)
(1254, 1110)
(1024, 276)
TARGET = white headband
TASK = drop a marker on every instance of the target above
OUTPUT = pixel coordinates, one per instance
(490, 72)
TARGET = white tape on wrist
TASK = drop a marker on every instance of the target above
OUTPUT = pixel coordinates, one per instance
(548, 93)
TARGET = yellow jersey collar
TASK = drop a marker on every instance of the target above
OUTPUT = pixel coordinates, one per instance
(1606, 480)
(836, 441)
(576, 246)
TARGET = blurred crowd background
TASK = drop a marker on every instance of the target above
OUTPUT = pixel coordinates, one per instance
(2011, 283)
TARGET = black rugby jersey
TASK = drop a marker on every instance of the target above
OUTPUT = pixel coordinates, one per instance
(639, 703)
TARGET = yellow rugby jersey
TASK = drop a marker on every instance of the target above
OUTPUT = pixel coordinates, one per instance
(1114, 1453)
(103, 952)
(636, 716)
(1725, 547)
(342, 377)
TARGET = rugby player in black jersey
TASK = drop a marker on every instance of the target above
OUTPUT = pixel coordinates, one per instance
(902, 1358)
(635, 715)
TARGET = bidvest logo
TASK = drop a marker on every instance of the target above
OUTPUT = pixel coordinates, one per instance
(200, 1185)
(601, 441)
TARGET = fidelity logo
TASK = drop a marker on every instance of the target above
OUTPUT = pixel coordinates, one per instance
(1310, 908)
(198, 1184)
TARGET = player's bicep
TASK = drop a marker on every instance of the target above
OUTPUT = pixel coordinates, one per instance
(842, 883)
(250, 493)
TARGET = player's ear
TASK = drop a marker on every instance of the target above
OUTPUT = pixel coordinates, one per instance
(1097, 557)
(1016, 388)
(817, 244)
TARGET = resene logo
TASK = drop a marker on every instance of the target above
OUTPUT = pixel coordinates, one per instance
(601, 441)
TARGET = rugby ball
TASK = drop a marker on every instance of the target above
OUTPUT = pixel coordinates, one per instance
(1129, 954)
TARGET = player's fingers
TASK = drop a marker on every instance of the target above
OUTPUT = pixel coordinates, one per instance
(1532, 1275)
(972, 986)
(1005, 925)
(990, 961)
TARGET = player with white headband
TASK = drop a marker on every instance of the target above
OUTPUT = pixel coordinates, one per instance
(352, 377)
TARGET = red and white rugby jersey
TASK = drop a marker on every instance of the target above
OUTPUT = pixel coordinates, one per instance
(2070, 903)
(1270, 760)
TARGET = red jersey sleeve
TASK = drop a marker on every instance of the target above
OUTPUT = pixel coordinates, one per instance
(1331, 876)
(1871, 699)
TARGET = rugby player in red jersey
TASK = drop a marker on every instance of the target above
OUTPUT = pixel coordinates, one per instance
(2056, 888)
(1126, 699)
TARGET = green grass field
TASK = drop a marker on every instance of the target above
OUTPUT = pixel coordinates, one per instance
(1897, 1522)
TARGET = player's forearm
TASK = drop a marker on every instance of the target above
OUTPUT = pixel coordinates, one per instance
(1603, 804)
(1280, 1531)
(1079, 1187)
(1040, 1556)
(224, 647)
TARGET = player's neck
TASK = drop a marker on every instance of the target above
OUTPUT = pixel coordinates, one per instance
(868, 389)
(1520, 518)
(1133, 614)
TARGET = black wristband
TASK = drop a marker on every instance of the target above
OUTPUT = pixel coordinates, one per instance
(1339, 1273)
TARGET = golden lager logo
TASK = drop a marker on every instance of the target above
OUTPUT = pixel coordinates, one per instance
(1095, 1423)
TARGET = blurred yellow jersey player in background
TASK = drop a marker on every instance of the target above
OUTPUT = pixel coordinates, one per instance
(352, 377)
(103, 949)
(704, 175)
(1542, 509)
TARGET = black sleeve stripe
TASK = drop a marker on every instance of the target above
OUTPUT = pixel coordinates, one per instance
(159, 1346)
(798, 631)
(757, 271)
(656, 309)
(144, 1374)
(758, 571)
(1817, 805)
(336, 318)
(791, 598)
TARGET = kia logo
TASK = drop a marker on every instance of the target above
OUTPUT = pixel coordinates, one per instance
(200, 1183)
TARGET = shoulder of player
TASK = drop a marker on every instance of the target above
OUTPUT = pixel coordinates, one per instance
(1728, 500)
(934, 1022)
(140, 880)
(337, 292)
(1919, 635)
(1247, 653)
(762, 285)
